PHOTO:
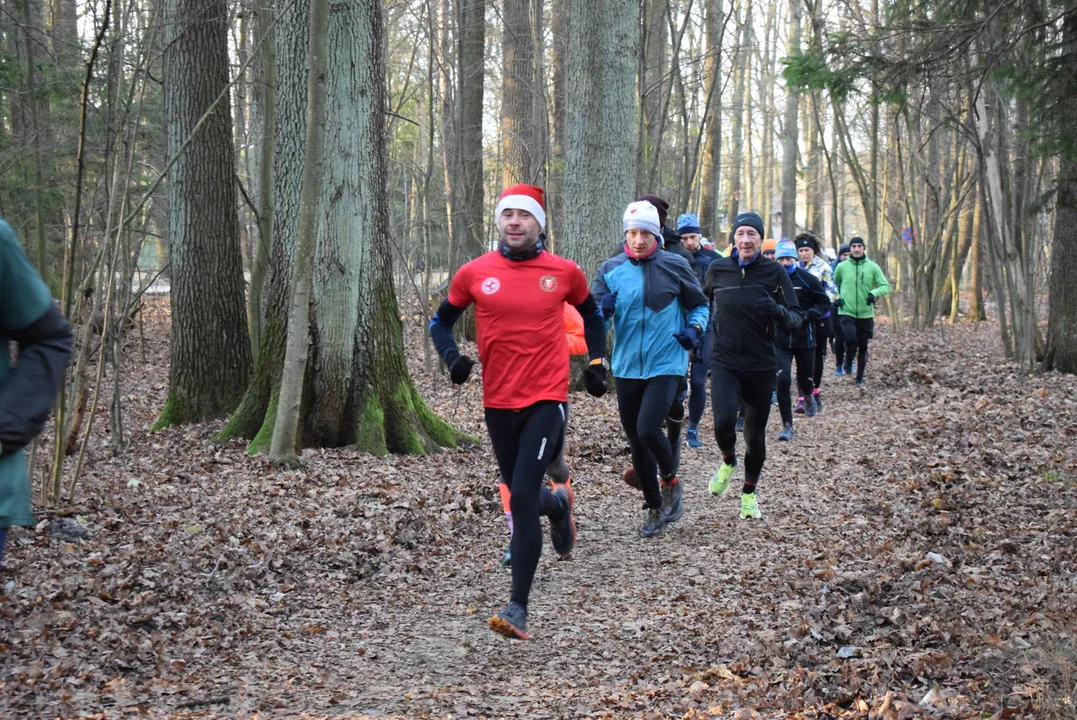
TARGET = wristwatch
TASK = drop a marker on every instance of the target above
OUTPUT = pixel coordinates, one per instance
(601, 361)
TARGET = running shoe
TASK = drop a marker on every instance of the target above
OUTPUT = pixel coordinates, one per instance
(860, 383)
(787, 432)
(800, 409)
(511, 622)
(506, 559)
(654, 523)
(693, 439)
(631, 478)
(749, 507)
(672, 501)
(719, 484)
(809, 405)
(818, 398)
(839, 371)
(774, 397)
(848, 369)
(563, 530)
(740, 424)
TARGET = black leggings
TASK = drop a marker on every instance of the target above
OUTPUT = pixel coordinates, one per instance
(697, 370)
(643, 404)
(525, 442)
(858, 332)
(837, 342)
(805, 358)
(728, 390)
(822, 332)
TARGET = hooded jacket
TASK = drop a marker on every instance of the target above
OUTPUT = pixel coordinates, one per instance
(657, 296)
(814, 304)
(743, 337)
(856, 279)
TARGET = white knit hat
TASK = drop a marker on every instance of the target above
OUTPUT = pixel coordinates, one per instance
(641, 215)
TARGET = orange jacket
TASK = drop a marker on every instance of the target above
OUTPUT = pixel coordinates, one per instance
(577, 345)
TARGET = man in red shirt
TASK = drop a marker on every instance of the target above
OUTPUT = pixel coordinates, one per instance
(519, 292)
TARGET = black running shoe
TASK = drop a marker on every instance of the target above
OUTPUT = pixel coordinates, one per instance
(672, 501)
(511, 622)
(654, 524)
(563, 530)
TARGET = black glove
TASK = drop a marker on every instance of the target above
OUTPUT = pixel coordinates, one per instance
(594, 380)
(838, 303)
(871, 299)
(767, 307)
(609, 302)
(460, 369)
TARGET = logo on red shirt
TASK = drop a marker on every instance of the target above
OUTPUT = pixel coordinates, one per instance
(490, 285)
(548, 283)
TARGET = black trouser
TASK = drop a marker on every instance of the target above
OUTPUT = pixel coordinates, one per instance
(805, 358)
(728, 390)
(558, 469)
(525, 442)
(674, 421)
(857, 331)
(643, 404)
(822, 332)
(697, 372)
(837, 342)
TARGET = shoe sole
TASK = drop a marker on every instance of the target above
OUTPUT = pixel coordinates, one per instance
(749, 517)
(631, 479)
(571, 522)
(783, 438)
(504, 628)
(656, 533)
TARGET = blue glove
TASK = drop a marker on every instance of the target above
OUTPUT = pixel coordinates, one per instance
(688, 337)
(609, 302)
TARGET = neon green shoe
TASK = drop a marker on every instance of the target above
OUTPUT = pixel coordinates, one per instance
(749, 507)
(719, 484)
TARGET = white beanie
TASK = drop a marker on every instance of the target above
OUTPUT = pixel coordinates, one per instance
(641, 215)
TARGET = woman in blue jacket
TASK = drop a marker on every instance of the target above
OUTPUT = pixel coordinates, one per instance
(659, 312)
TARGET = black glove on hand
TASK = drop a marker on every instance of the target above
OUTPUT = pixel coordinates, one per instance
(609, 302)
(594, 380)
(871, 299)
(838, 303)
(767, 307)
(460, 369)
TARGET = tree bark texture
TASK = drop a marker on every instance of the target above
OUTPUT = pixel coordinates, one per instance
(210, 345)
(740, 80)
(712, 164)
(519, 147)
(600, 144)
(468, 208)
(790, 146)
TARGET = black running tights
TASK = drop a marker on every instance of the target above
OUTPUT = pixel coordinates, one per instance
(643, 404)
(805, 358)
(728, 390)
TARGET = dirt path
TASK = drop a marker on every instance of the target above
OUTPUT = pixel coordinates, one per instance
(362, 586)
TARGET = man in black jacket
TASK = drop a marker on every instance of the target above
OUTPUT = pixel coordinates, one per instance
(30, 319)
(799, 345)
(749, 296)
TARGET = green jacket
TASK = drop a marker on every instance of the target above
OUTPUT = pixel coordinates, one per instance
(855, 279)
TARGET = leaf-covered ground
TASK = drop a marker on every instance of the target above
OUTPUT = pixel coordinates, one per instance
(916, 558)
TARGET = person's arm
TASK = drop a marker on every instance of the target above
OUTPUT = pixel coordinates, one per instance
(594, 328)
(839, 279)
(789, 312)
(29, 390)
(820, 298)
(710, 279)
(882, 287)
(695, 303)
(450, 310)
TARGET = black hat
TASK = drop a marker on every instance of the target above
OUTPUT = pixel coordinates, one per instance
(750, 219)
(856, 241)
(660, 205)
(843, 249)
(808, 239)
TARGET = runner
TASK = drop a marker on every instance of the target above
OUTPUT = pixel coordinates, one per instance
(837, 338)
(749, 295)
(698, 367)
(798, 345)
(558, 471)
(658, 312)
(30, 319)
(860, 282)
(770, 247)
(811, 259)
(519, 292)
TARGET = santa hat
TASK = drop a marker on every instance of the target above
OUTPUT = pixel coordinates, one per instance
(523, 197)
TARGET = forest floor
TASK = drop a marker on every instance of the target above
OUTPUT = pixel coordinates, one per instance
(916, 558)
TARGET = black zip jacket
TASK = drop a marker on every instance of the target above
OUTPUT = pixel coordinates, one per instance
(814, 304)
(743, 335)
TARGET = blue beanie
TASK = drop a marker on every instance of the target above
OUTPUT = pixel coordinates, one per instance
(689, 223)
(786, 249)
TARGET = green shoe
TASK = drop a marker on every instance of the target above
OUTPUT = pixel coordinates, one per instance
(749, 507)
(719, 484)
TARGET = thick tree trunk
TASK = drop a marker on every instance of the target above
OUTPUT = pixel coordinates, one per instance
(976, 289)
(468, 208)
(210, 345)
(518, 136)
(654, 81)
(555, 200)
(712, 165)
(790, 136)
(740, 79)
(599, 152)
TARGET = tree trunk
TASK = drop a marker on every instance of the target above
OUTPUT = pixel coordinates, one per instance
(1062, 289)
(712, 166)
(518, 136)
(555, 199)
(266, 105)
(210, 345)
(470, 216)
(599, 152)
(976, 290)
(740, 80)
(285, 428)
(654, 81)
(791, 135)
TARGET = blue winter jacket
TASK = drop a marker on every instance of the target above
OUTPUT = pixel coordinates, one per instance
(654, 295)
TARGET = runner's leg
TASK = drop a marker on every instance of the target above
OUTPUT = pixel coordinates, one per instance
(755, 390)
(784, 357)
(629, 401)
(725, 404)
